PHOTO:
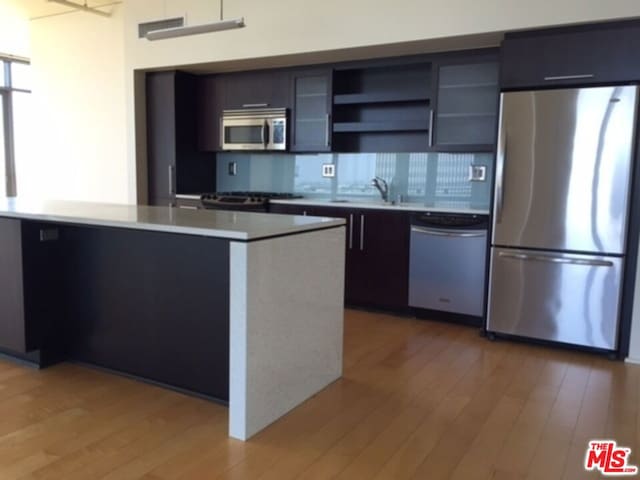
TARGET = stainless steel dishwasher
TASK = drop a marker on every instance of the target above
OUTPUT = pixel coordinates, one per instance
(447, 262)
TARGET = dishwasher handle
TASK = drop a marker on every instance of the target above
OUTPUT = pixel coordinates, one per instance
(448, 233)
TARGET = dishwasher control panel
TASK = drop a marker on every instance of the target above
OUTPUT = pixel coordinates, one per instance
(454, 220)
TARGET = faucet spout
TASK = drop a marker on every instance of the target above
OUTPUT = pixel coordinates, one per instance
(382, 187)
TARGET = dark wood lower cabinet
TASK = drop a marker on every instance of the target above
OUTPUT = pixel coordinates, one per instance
(153, 305)
(380, 259)
(30, 303)
(149, 304)
(377, 253)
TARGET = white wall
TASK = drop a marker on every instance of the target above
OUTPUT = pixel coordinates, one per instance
(79, 150)
(281, 27)
(14, 31)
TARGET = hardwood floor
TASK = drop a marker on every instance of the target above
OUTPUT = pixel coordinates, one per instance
(418, 400)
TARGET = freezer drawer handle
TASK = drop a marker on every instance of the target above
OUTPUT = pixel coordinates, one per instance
(569, 77)
(448, 233)
(545, 258)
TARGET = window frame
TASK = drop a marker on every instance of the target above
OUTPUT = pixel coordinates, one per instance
(6, 92)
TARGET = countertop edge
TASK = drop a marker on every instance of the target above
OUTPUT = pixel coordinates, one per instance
(176, 229)
(379, 206)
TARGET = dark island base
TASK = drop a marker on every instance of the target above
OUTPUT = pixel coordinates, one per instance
(146, 304)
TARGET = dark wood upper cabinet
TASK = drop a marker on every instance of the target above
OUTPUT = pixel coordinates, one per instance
(210, 106)
(310, 125)
(175, 164)
(257, 89)
(466, 105)
(573, 56)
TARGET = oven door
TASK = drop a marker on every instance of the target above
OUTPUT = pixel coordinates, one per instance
(245, 133)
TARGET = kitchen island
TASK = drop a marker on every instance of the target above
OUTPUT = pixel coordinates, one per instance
(244, 308)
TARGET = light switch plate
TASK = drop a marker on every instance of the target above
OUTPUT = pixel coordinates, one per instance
(328, 170)
(477, 173)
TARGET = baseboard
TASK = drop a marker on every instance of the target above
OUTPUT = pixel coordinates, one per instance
(634, 361)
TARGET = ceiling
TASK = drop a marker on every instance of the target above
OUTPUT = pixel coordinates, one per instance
(41, 8)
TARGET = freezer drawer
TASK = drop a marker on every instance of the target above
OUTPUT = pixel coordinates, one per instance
(555, 296)
(447, 269)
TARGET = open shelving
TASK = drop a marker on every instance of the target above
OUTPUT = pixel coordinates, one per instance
(382, 108)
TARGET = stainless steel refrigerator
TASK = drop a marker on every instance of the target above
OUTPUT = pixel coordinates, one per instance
(563, 178)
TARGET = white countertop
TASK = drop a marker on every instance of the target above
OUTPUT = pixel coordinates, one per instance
(379, 205)
(210, 223)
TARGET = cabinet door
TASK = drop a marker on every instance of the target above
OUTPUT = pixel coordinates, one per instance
(288, 209)
(195, 171)
(572, 56)
(382, 260)
(12, 325)
(44, 285)
(311, 125)
(211, 99)
(352, 282)
(257, 89)
(467, 106)
(161, 138)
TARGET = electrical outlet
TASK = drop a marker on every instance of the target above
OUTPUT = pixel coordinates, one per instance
(328, 170)
(477, 173)
(233, 168)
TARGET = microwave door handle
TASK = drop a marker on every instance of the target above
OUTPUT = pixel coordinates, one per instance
(265, 133)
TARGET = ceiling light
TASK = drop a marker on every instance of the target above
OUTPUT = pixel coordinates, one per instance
(197, 29)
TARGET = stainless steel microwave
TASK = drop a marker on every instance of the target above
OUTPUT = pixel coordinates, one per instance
(257, 129)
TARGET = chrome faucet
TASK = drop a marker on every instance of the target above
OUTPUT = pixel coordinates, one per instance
(382, 187)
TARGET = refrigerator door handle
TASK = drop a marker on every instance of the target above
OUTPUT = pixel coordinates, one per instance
(500, 158)
(552, 259)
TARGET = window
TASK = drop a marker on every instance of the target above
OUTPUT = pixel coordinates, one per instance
(15, 86)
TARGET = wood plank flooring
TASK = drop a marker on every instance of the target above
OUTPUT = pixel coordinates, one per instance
(418, 400)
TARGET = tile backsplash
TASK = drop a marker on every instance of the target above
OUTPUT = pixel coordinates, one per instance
(434, 179)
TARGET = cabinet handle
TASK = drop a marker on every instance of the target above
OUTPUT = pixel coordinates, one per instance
(304, 212)
(431, 128)
(350, 231)
(501, 156)
(254, 105)
(569, 77)
(361, 232)
(171, 188)
(326, 132)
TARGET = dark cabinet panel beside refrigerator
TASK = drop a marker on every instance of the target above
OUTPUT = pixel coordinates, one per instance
(174, 164)
(563, 179)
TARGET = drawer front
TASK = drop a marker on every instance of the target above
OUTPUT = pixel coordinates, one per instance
(558, 297)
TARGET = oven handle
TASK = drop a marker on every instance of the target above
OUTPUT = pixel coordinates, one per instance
(448, 233)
